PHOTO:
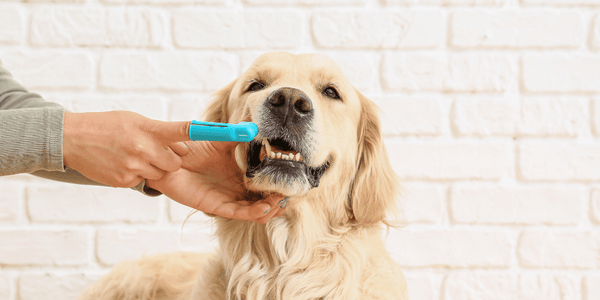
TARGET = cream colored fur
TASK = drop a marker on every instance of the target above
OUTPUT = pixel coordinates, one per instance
(327, 245)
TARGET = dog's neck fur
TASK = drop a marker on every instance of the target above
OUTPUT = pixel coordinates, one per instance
(301, 260)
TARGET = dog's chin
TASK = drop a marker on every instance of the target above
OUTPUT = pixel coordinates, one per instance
(289, 177)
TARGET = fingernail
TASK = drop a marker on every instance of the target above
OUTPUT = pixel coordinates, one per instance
(284, 202)
(266, 212)
(185, 145)
(279, 203)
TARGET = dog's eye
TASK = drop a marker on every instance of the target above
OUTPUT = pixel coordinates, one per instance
(331, 93)
(256, 86)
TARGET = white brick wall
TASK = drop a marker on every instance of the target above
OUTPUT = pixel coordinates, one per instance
(490, 111)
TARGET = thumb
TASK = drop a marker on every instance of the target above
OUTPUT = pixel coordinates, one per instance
(172, 132)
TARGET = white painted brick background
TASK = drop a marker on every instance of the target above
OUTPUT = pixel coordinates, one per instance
(490, 110)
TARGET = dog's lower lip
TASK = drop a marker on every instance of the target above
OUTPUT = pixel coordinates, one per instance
(255, 163)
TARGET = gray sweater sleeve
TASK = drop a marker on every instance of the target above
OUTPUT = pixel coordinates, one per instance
(30, 130)
(31, 136)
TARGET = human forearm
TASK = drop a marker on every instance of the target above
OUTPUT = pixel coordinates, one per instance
(31, 140)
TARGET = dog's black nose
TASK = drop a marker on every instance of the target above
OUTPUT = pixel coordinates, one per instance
(289, 105)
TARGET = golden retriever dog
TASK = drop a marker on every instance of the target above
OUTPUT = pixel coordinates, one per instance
(333, 164)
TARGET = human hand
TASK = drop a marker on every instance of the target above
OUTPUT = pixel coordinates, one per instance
(121, 148)
(211, 181)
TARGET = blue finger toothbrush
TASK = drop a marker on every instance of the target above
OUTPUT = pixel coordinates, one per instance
(222, 132)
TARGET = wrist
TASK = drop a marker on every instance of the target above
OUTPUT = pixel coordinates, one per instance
(69, 132)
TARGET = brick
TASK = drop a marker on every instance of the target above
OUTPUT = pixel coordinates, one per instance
(166, 71)
(451, 160)
(561, 73)
(453, 73)
(305, 2)
(43, 247)
(559, 249)
(5, 286)
(595, 205)
(560, 2)
(62, 98)
(360, 69)
(51, 286)
(273, 29)
(499, 286)
(53, 70)
(83, 204)
(68, 26)
(116, 246)
(57, 1)
(596, 32)
(378, 29)
(151, 107)
(422, 203)
(411, 116)
(198, 237)
(447, 2)
(484, 116)
(226, 28)
(554, 116)
(422, 287)
(247, 58)
(595, 115)
(450, 248)
(591, 287)
(166, 2)
(185, 109)
(12, 27)
(11, 200)
(516, 205)
(201, 28)
(523, 29)
(556, 160)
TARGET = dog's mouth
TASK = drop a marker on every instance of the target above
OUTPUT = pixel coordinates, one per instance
(282, 164)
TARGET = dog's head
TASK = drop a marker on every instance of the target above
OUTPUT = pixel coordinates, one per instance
(316, 131)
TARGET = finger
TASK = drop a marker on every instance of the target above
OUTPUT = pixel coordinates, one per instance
(127, 184)
(151, 172)
(275, 201)
(224, 146)
(270, 215)
(180, 148)
(165, 159)
(171, 132)
(234, 210)
(279, 213)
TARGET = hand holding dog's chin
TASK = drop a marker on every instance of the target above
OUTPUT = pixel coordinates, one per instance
(210, 181)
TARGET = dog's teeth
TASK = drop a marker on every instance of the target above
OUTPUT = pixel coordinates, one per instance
(267, 145)
(298, 157)
(278, 154)
(272, 154)
(285, 157)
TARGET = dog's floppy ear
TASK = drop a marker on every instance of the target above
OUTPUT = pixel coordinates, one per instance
(217, 108)
(375, 187)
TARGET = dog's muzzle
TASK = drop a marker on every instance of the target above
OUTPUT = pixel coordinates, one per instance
(286, 143)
